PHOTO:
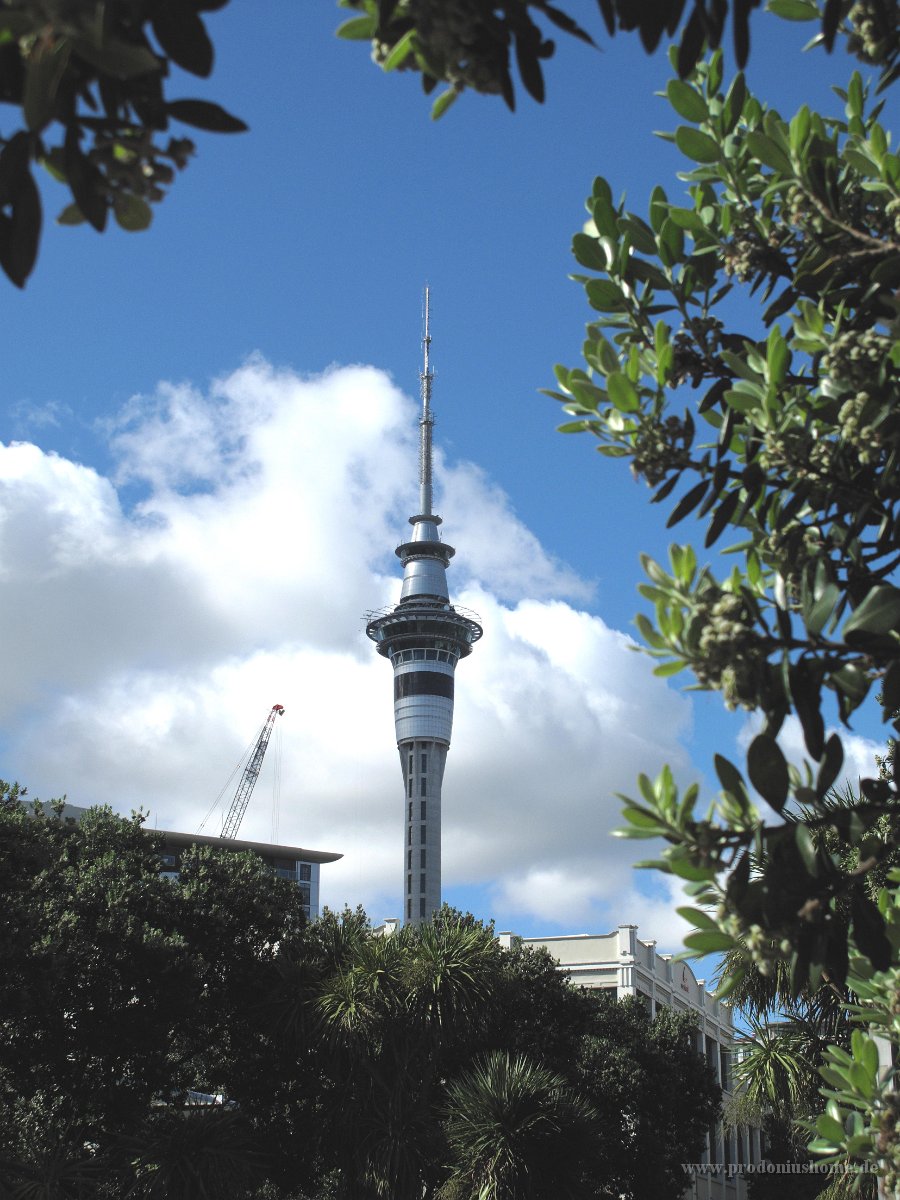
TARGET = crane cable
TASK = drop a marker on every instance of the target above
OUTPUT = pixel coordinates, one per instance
(276, 786)
(226, 786)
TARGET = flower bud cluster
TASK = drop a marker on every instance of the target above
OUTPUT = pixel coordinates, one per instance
(856, 358)
(659, 447)
(865, 438)
(887, 1143)
(801, 212)
(466, 42)
(744, 257)
(874, 30)
(756, 941)
(726, 659)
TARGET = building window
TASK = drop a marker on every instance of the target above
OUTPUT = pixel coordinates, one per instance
(422, 866)
(422, 813)
(422, 791)
(409, 860)
(410, 810)
(422, 838)
(409, 770)
(409, 910)
(424, 763)
(422, 908)
(725, 1064)
(422, 880)
(409, 836)
(304, 872)
(409, 884)
(410, 785)
(423, 683)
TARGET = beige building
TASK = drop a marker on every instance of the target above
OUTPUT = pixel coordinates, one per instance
(620, 960)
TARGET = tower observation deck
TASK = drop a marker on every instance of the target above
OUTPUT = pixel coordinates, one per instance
(424, 636)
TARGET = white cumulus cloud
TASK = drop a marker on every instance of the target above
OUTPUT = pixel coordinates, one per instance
(153, 616)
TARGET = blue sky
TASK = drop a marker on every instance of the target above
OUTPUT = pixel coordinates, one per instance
(205, 515)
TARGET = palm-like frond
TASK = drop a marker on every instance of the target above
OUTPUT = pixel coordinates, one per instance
(455, 967)
(518, 1132)
(199, 1154)
(355, 999)
(778, 1070)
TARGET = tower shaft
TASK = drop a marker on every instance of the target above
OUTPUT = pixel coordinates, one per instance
(424, 636)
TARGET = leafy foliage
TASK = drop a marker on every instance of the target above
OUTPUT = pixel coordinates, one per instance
(88, 80)
(781, 430)
(198, 1038)
(123, 992)
(469, 43)
(802, 213)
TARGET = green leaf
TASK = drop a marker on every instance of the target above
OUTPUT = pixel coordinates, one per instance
(686, 101)
(19, 234)
(696, 145)
(642, 819)
(734, 102)
(203, 114)
(688, 503)
(878, 613)
(830, 1129)
(670, 242)
(768, 152)
(794, 10)
(648, 633)
(132, 213)
(360, 29)
(400, 52)
(122, 60)
(890, 691)
(709, 941)
(729, 982)
(830, 766)
(622, 392)
(604, 295)
(589, 252)
(71, 215)
(658, 207)
(799, 128)
(730, 777)
(722, 517)
(777, 356)
(820, 611)
(852, 683)
(43, 75)
(443, 102)
(768, 770)
(698, 918)
(855, 95)
(669, 668)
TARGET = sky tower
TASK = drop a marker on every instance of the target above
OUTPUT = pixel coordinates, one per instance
(424, 636)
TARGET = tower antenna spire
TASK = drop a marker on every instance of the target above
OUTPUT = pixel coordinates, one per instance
(424, 636)
(426, 421)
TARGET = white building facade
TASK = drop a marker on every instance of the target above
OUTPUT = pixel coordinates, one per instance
(621, 961)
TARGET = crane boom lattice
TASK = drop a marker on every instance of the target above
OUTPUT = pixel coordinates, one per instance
(251, 774)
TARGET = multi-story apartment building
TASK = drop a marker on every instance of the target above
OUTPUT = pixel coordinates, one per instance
(622, 962)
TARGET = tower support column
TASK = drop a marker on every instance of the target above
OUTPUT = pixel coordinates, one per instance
(424, 636)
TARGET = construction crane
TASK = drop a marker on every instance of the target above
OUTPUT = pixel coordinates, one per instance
(248, 779)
